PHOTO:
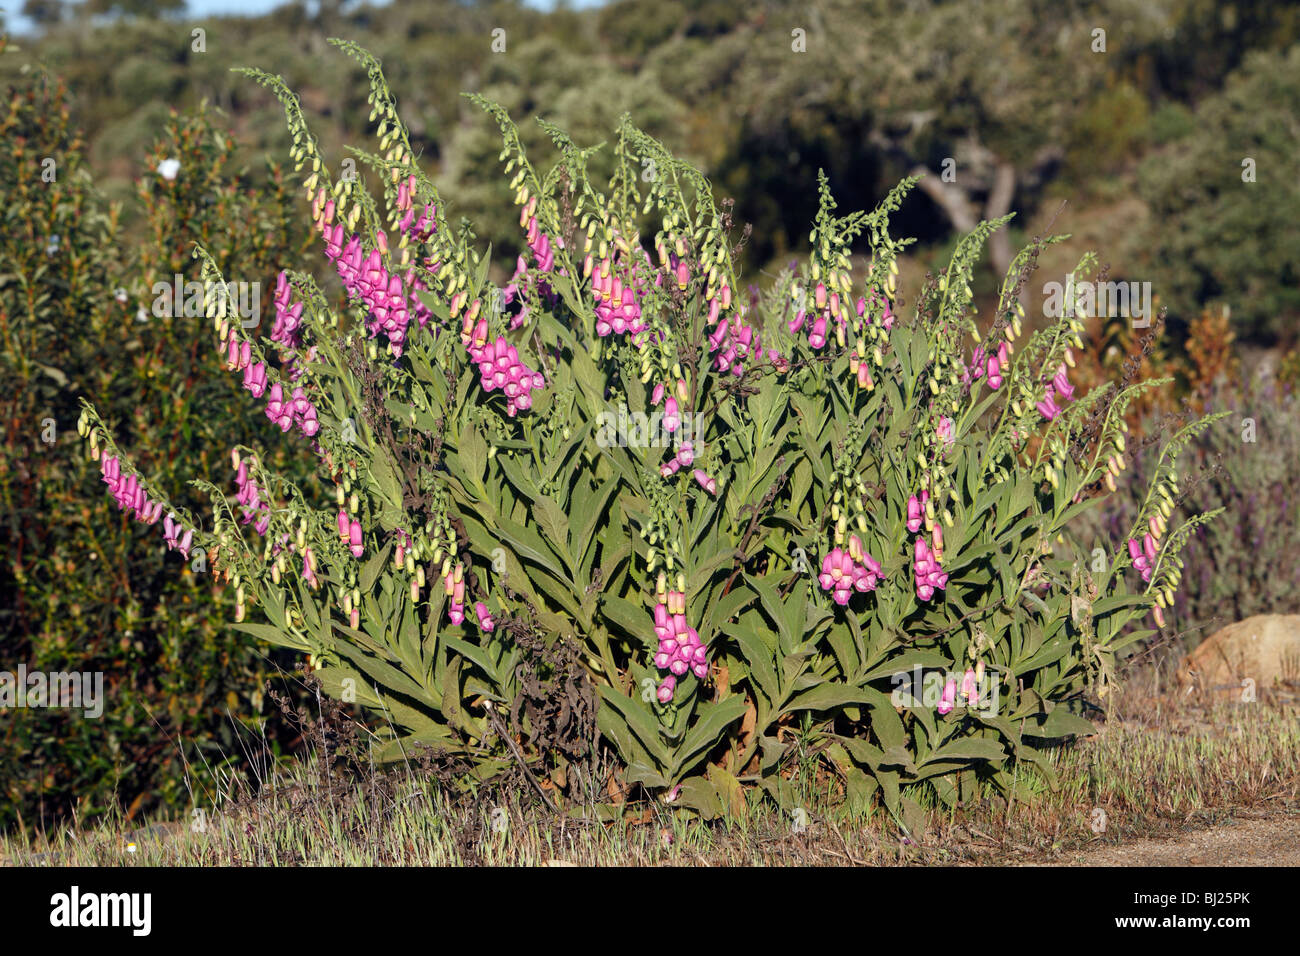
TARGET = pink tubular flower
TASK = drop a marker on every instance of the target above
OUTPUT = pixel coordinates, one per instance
(841, 574)
(995, 373)
(672, 417)
(665, 691)
(969, 688)
(485, 621)
(455, 591)
(949, 697)
(255, 379)
(619, 287)
(705, 482)
(499, 368)
(354, 539)
(1062, 384)
(1048, 407)
(929, 576)
(946, 431)
(734, 342)
(278, 409)
(916, 511)
(171, 531)
(817, 337)
(1140, 559)
(256, 511)
(886, 314)
(680, 649)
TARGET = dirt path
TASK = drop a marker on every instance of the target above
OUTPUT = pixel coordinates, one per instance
(1268, 841)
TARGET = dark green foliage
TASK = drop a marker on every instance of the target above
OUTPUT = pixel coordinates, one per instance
(80, 590)
(1216, 238)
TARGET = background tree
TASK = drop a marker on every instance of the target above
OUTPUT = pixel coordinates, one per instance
(1224, 201)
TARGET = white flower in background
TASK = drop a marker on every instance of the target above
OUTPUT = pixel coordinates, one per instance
(168, 168)
(120, 295)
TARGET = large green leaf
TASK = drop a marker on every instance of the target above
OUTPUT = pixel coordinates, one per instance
(711, 721)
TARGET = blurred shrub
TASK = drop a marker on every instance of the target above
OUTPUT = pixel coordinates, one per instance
(1171, 121)
(1248, 461)
(78, 592)
(1288, 371)
(1108, 131)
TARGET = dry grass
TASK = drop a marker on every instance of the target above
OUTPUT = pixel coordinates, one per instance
(1159, 765)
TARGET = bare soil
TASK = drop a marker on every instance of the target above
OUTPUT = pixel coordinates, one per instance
(1250, 840)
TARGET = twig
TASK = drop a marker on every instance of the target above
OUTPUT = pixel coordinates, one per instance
(519, 758)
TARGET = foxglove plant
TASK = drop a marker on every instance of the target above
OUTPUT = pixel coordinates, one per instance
(821, 422)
